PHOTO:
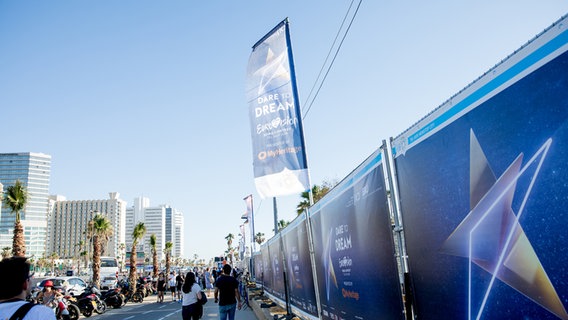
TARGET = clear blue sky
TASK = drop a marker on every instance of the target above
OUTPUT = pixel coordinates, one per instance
(147, 98)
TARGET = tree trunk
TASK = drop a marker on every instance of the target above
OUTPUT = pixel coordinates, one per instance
(132, 273)
(155, 264)
(167, 265)
(18, 243)
(96, 261)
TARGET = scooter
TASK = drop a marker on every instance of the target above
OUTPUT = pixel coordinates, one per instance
(113, 298)
(86, 304)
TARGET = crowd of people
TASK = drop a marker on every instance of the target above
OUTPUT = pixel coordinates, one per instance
(189, 288)
(186, 289)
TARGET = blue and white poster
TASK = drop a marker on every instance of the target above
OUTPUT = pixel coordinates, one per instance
(258, 270)
(279, 157)
(266, 277)
(299, 268)
(354, 252)
(484, 197)
(277, 266)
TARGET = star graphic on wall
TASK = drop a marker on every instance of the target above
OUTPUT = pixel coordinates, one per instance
(330, 277)
(491, 237)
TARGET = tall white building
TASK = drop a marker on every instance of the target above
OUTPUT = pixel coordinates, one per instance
(163, 221)
(68, 224)
(174, 230)
(33, 170)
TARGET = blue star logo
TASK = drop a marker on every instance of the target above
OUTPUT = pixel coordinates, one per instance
(492, 238)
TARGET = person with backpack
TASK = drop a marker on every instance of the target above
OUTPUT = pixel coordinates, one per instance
(14, 289)
(192, 309)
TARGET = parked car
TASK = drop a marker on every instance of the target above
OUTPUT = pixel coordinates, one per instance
(73, 285)
(109, 282)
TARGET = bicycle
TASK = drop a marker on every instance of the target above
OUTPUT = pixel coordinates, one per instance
(244, 292)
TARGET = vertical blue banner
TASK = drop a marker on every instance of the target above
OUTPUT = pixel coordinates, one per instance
(298, 265)
(279, 158)
(354, 253)
(277, 267)
(266, 276)
(258, 270)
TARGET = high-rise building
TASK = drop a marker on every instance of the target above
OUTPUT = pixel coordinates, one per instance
(33, 170)
(174, 230)
(163, 221)
(68, 225)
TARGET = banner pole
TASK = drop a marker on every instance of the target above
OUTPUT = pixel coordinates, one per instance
(313, 260)
(394, 204)
(253, 234)
(275, 209)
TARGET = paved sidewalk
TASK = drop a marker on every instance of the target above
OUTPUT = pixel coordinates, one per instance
(211, 311)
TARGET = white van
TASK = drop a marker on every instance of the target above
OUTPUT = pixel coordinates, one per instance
(109, 273)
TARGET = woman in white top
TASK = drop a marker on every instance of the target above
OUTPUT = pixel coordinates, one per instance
(191, 308)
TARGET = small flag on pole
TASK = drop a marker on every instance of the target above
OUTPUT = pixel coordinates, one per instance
(250, 216)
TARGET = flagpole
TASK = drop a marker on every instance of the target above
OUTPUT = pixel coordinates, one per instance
(275, 208)
(252, 224)
(310, 193)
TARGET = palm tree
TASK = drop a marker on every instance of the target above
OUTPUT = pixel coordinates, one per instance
(84, 258)
(6, 252)
(137, 234)
(53, 256)
(229, 239)
(168, 252)
(259, 238)
(121, 248)
(99, 231)
(79, 244)
(318, 192)
(282, 224)
(153, 243)
(16, 198)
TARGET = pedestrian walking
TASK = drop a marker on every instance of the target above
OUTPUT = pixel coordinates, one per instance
(179, 283)
(191, 309)
(207, 275)
(227, 294)
(172, 285)
(161, 287)
(16, 285)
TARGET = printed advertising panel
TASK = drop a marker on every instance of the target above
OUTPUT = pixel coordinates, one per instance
(299, 268)
(354, 253)
(484, 199)
(277, 265)
(266, 277)
(257, 261)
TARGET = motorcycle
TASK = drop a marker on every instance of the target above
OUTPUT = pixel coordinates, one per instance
(113, 298)
(65, 310)
(129, 294)
(86, 303)
(101, 305)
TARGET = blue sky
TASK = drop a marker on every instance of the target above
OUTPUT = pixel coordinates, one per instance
(147, 98)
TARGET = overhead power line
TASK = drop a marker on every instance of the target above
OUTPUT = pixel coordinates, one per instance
(328, 55)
